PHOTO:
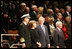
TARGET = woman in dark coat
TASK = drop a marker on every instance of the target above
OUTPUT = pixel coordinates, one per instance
(34, 35)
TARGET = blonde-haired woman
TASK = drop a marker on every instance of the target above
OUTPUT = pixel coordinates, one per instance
(51, 25)
(34, 35)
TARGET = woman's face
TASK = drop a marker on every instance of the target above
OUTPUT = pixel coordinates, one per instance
(34, 25)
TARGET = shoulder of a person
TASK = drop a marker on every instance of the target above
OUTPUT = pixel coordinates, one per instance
(37, 26)
(56, 29)
(45, 25)
(21, 24)
(55, 20)
(32, 12)
(31, 30)
(20, 10)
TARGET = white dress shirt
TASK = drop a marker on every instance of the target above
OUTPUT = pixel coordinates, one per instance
(43, 28)
(25, 23)
(59, 29)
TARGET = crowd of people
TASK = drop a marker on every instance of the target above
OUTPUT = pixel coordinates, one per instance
(40, 24)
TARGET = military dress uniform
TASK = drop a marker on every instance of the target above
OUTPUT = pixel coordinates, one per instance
(25, 34)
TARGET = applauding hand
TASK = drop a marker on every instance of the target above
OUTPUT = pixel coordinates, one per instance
(39, 44)
(23, 45)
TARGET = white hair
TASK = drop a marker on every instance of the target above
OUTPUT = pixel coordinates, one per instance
(41, 18)
(58, 23)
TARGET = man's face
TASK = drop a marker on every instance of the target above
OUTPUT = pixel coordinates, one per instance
(69, 9)
(59, 25)
(60, 16)
(26, 20)
(68, 20)
(23, 7)
(41, 21)
(62, 11)
(35, 9)
(57, 10)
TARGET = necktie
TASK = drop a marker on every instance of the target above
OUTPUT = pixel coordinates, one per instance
(43, 28)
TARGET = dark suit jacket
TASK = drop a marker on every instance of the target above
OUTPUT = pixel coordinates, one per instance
(67, 14)
(47, 24)
(44, 39)
(34, 38)
(58, 38)
(68, 27)
(33, 15)
(19, 14)
(24, 33)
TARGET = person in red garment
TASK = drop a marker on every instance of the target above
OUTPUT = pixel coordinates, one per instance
(65, 33)
(64, 30)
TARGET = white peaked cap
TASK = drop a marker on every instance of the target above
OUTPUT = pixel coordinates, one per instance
(26, 15)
